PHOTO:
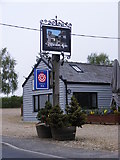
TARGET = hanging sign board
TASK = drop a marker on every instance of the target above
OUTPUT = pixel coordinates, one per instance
(56, 39)
(41, 79)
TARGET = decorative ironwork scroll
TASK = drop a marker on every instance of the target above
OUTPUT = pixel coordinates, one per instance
(55, 35)
(56, 22)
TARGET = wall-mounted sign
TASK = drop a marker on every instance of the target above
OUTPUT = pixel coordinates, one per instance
(41, 79)
(56, 39)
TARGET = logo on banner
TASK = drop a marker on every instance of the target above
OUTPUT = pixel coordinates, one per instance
(41, 79)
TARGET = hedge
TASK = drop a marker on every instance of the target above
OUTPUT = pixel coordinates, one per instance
(12, 102)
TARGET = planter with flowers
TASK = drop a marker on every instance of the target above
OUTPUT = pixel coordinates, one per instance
(63, 125)
(93, 118)
(110, 117)
(105, 116)
(42, 127)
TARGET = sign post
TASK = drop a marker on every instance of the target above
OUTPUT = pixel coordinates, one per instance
(55, 74)
(119, 32)
(56, 37)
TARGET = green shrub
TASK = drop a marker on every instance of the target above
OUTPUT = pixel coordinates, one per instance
(42, 115)
(73, 117)
(12, 102)
(75, 114)
(56, 117)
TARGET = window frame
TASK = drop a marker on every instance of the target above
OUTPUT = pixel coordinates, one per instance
(38, 98)
(90, 94)
(74, 67)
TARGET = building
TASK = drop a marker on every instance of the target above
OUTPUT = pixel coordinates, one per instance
(89, 83)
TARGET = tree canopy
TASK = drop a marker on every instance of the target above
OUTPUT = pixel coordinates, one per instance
(101, 59)
(8, 76)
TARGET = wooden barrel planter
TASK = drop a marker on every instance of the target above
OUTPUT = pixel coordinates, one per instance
(104, 119)
(43, 131)
(65, 133)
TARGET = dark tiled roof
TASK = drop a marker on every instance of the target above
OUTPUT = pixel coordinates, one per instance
(90, 73)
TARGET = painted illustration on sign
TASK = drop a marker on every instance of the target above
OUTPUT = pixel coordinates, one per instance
(41, 79)
(56, 39)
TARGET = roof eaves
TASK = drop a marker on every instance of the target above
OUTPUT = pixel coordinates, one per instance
(46, 62)
(95, 83)
(31, 72)
(35, 66)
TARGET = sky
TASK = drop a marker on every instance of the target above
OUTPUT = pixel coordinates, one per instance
(87, 17)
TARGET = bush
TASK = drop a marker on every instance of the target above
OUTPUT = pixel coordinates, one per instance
(73, 117)
(42, 115)
(12, 102)
(75, 114)
(56, 118)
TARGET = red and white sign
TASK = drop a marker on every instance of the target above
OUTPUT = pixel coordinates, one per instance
(42, 77)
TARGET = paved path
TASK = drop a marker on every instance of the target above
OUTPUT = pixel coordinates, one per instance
(46, 149)
(10, 151)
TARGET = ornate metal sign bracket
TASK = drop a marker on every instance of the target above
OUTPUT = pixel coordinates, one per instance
(54, 23)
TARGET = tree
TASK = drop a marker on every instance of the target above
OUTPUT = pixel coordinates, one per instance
(75, 114)
(101, 59)
(8, 75)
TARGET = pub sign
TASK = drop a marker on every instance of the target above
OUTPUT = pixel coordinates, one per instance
(56, 39)
(41, 79)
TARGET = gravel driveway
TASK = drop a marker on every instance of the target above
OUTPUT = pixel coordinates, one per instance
(91, 136)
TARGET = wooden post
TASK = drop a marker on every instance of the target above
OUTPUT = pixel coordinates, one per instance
(119, 32)
(55, 74)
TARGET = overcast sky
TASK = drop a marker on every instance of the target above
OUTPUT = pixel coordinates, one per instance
(89, 18)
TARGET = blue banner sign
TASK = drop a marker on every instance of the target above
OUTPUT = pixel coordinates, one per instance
(41, 79)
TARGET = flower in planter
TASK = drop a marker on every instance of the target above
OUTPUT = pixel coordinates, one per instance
(92, 112)
(116, 112)
(105, 111)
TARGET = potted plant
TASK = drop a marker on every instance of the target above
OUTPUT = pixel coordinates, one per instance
(75, 114)
(110, 117)
(59, 124)
(42, 127)
(63, 125)
(93, 116)
(105, 116)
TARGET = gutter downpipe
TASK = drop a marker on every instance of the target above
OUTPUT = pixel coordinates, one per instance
(65, 82)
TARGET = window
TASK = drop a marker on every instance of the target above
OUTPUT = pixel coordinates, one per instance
(42, 100)
(87, 100)
(50, 99)
(39, 101)
(76, 68)
(36, 102)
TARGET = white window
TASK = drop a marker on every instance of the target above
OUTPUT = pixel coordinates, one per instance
(40, 100)
(76, 68)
